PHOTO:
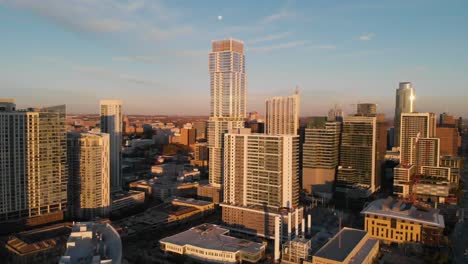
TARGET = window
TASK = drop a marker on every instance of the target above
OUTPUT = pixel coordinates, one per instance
(393, 223)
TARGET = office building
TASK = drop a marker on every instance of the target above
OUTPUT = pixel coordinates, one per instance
(188, 136)
(212, 243)
(450, 140)
(33, 164)
(89, 175)
(362, 150)
(92, 243)
(335, 114)
(414, 125)
(349, 246)
(261, 181)
(228, 91)
(282, 115)
(403, 176)
(320, 156)
(456, 165)
(111, 123)
(399, 222)
(366, 109)
(424, 152)
(405, 96)
(200, 127)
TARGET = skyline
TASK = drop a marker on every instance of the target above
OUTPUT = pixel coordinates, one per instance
(138, 51)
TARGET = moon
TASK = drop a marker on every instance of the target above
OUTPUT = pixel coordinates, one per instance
(220, 18)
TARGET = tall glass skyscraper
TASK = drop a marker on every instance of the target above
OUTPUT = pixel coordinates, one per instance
(111, 123)
(228, 92)
(405, 96)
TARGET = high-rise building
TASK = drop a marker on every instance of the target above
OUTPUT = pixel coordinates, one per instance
(188, 136)
(33, 164)
(261, 181)
(365, 109)
(424, 152)
(414, 125)
(111, 123)
(320, 156)
(282, 115)
(405, 96)
(228, 91)
(362, 150)
(200, 126)
(335, 114)
(450, 140)
(89, 175)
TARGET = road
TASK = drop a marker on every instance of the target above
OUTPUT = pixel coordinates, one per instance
(460, 237)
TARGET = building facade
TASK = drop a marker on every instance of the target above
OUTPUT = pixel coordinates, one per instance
(320, 157)
(400, 222)
(424, 152)
(282, 115)
(362, 150)
(111, 123)
(261, 180)
(89, 175)
(228, 90)
(450, 140)
(33, 165)
(405, 95)
(414, 125)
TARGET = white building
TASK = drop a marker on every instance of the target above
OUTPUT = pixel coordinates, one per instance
(414, 125)
(93, 243)
(228, 99)
(89, 174)
(33, 162)
(111, 123)
(282, 115)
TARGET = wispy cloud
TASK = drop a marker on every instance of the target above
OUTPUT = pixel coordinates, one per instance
(287, 45)
(107, 74)
(147, 59)
(270, 37)
(367, 36)
(322, 47)
(282, 15)
(106, 16)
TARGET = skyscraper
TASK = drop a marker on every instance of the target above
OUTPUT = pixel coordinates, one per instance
(424, 152)
(320, 156)
(33, 164)
(422, 125)
(405, 96)
(282, 115)
(111, 123)
(228, 100)
(362, 149)
(261, 180)
(365, 109)
(89, 175)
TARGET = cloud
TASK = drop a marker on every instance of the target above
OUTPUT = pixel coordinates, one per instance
(282, 15)
(287, 45)
(322, 47)
(107, 74)
(160, 34)
(270, 37)
(147, 59)
(367, 36)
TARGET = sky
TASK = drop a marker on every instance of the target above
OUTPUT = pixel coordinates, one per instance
(153, 54)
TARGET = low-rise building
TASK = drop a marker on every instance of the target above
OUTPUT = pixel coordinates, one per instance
(399, 222)
(211, 243)
(93, 243)
(126, 200)
(41, 245)
(189, 202)
(295, 250)
(349, 246)
(188, 175)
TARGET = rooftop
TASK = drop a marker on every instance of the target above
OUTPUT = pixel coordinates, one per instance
(339, 250)
(92, 243)
(213, 237)
(405, 211)
(191, 201)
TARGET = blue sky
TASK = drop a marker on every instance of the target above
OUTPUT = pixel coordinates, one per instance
(152, 54)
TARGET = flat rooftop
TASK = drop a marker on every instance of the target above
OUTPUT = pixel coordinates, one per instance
(339, 251)
(213, 237)
(404, 211)
(191, 201)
